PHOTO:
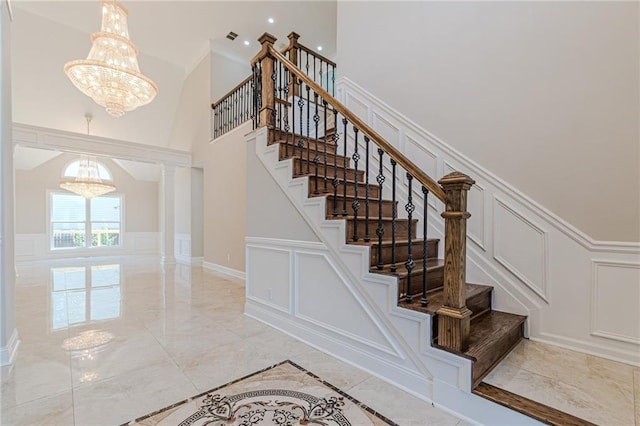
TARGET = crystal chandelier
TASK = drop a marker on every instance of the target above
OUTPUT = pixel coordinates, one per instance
(110, 75)
(87, 181)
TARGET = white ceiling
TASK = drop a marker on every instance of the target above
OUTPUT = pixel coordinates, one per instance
(182, 32)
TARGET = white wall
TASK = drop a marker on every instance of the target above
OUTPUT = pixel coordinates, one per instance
(224, 201)
(44, 96)
(226, 73)
(542, 94)
(191, 128)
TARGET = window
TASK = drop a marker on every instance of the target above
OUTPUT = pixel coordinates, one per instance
(77, 222)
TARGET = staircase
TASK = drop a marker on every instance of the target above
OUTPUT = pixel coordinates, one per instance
(493, 333)
(384, 210)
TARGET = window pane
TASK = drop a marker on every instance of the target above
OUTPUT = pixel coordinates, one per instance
(68, 235)
(67, 208)
(105, 275)
(105, 234)
(105, 209)
(105, 303)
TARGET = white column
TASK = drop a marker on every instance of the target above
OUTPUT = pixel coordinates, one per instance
(167, 215)
(8, 334)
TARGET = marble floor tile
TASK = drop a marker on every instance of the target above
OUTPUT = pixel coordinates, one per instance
(636, 394)
(135, 394)
(177, 331)
(401, 407)
(340, 374)
(591, 388)
(54, 410)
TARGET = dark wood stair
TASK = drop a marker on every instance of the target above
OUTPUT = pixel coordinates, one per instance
(493, 333)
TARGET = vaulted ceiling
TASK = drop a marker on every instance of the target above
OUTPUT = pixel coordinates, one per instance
(172, 38)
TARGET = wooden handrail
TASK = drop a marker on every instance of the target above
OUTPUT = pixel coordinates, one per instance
(245, 81)
(317, 55)
(391, 151)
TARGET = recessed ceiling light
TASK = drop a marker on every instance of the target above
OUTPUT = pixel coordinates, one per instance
(319, 47)
(246, 42)
(271, 20)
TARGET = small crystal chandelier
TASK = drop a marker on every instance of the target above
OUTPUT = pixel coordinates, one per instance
(87, 181)
(110, 75)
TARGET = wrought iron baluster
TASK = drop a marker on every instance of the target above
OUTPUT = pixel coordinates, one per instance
(286, 113)
(356, 201)
(308, 129)
(394, 214)
(324, 180)
(274, 114)
(367, 238)
(409, 264)
(333, 80)
(336, 137)
(344, 170)
(279, 99)
(301, 141)
(380, 229)
(316, 159)
(424, 301)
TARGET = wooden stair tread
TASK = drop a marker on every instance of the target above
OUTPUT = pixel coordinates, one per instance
(487, 327)
(387, 243)
(361, 217)
(435, 298)
(401, 272)
(528, 407)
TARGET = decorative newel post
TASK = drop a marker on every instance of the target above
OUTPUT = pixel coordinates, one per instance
(294, 89)
(267, 111)
(454, 317)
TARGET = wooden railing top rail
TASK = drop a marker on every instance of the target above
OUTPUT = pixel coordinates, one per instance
(394, 153)
(226, 95)
(310, 52)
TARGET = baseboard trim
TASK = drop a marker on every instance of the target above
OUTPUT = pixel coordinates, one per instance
(8, 353)
(223, 270)
(601, 351)
(188, 260)
(415, 384)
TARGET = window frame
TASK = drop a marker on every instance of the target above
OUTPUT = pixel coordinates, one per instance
(87, 222)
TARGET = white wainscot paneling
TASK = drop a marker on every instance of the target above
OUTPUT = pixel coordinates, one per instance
(182, 245)
(323, 297)
(145, 242)
(269, 280)
(385, 128)
(417, 152)
(615, 312)
(520, 246)
(29, 245)
(358, 107)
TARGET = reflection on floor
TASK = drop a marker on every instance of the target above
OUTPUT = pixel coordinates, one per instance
(106, 340)
(591, 388)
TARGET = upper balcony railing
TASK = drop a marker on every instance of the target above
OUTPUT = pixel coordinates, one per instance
(237, 106)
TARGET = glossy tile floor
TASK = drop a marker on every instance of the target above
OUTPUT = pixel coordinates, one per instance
(595, 389)
(106, 340)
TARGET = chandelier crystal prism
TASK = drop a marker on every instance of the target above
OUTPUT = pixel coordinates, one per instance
(110, 75)
(87, 183)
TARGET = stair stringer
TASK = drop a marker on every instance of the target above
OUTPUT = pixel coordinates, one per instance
(445, 378)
